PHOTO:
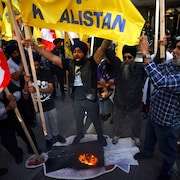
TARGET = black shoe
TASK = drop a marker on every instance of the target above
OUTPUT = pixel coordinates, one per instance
(77, 139)
(60, 139)
(102, 141)
(141, 155)
(3, 171)
(105, 117)
(164, 177)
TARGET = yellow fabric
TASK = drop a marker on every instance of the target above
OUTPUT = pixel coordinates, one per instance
(16, 7)
(1, 14)
(67, 46)
(117, 20)
(1, 11)
(36, 33)
(118, 50)
(59, 34)
(6, 26)
(84, 38)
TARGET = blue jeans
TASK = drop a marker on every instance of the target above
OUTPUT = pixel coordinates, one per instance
(166, 137)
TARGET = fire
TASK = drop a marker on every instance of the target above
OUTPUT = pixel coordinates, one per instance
(88, 159)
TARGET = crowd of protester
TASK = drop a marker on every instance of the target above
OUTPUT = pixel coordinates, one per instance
(103, 87)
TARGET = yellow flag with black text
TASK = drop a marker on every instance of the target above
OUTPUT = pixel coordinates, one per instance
(117, 20)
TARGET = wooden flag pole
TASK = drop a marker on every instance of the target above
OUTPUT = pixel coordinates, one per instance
(20, 119)
(21, 49)
(28, 36)
(25, 63)
(178, 23)
(156, 27)
(162, 28)
(92, 45)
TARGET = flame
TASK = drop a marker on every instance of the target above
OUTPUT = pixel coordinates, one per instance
(88, 159)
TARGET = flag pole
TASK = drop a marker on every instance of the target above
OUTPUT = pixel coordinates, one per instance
(21, 121)
(9, 5)
(21, 49)
(92, 45)
(28, 36)
(156, 27)
(162, 28)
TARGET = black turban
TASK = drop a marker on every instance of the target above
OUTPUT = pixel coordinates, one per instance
(58, 40)
(79, 44)
(129, 49)
(11, 47)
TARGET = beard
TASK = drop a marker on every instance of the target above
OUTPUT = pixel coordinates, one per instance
(176, 62)
(125, 71)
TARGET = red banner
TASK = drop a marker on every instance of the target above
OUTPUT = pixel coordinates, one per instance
(4, 71)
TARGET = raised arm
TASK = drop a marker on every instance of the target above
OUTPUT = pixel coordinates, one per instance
(48, 55)
(100, 52)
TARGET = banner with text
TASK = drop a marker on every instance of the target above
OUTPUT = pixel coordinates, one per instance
(117, 20)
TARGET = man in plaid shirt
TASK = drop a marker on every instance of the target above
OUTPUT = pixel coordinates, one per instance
(164, 114)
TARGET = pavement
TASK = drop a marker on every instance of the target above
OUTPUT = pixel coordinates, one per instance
(147, 169)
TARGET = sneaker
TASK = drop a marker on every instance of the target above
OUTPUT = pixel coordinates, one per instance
(3, 171)
(102, 140)
(60, 139)
(115, 139)
(142, 155)
(77, 139)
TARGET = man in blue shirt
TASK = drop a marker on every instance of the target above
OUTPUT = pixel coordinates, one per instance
(164, 114)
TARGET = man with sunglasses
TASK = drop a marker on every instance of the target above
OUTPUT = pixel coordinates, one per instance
(129, 80)
(128, 94)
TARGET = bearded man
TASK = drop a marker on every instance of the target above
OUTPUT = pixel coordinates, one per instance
(164, 112)
(83, 87)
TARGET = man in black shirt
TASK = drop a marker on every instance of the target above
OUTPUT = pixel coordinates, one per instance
(82, 77)
(45, 84)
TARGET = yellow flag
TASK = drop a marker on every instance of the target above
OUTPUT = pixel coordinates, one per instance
(36, 33)
(67, 46)
(84, 38)
(59, 34)
(6, 26)
(118, 50)
(1, 11)
(1, 14)
(15, 4)
(117, 20)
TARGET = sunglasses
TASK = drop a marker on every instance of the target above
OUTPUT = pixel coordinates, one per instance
(127, 57)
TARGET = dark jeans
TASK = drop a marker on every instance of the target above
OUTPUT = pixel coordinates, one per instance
(60, 79)
(8, 138)
(92, 109)
(21, 133)
(166, 138)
